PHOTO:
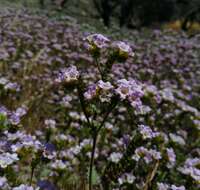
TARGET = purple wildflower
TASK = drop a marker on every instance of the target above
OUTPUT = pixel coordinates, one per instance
(97, 41)
(68, 75)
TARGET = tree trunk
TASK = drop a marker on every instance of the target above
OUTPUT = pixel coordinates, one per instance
(63, 3)
(106, 12)
(126, 12)
(190, 17)
(41, 3)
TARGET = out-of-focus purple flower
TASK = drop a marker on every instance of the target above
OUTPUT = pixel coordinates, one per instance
(191, 169)
(15, 117)
(12, 86)
(50, 147)
(46, 185)
(3, 81)
(59, 165)
(66, 101)
(49, 151)
(147, 132)
(147, 155)
(27, 142)
(4, 111)
(23, 187)
(91, 92)
(68, 75)
(50, 123)
(7, 85)
(104, 85)
(192, 162)
(177, 139)
(115, 157)
(167, 94)
(3, 183)
(163, 186)
(21, 111)
(174, 187)
(126, 178)
(126, 139)
(155, 154)
(7, 159)
(171, 156)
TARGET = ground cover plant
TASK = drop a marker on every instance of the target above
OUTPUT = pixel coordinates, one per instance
(88, 111)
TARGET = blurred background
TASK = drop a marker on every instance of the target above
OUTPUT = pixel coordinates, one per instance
(132, 14)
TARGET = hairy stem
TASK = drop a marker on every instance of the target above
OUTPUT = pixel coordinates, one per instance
(83, 106)
(112, 106)
(95, 136)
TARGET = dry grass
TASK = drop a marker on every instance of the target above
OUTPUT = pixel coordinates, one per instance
(176, 25)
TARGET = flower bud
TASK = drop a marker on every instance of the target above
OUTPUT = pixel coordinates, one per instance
(95, 42)
(122, 50)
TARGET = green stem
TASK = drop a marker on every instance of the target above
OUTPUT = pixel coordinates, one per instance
(92, 160)
(83, 106)
(96, 130)
(32, 172)
(95, 136)
(99, 68)
(108, 67)
(112, 106)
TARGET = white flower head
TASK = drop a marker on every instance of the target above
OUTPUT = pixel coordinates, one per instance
(115, 157)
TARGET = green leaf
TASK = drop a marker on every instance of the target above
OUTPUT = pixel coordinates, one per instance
(95, 176)
(3, 122)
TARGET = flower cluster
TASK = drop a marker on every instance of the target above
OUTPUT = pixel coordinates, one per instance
(8, 86)
(14, 117)
(126, 178)
(102, 89)
(97, 41)
(147, 132)
(171, 156)
(130, 90)
(7, 159)
(147, 155)
(122, 50)
(23, 187)
(3, 183)
(191, 169)
(164, 186)
(68, 75)
(115, 157)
